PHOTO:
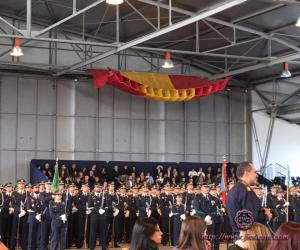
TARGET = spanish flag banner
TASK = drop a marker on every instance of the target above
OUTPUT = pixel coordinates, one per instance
(157, 86)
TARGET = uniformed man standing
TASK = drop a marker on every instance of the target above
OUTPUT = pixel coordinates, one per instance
(144, 203)
(19, 222)
(2, 212)
(241, 196)
(81, 202)
(34, 210)
(271, 198)
(45, 197)
(59, 225)
(296, 205)
(8, 212)
(280, 207)
(113, 201)
(166, 202)
(97, 208)
(216, 215)
(177, 215)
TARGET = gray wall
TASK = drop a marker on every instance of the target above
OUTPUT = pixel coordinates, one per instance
(41, 118)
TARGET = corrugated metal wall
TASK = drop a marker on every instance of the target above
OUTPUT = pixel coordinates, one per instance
(41, 118)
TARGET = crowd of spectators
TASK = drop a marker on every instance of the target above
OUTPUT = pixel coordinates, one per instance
(130, 176)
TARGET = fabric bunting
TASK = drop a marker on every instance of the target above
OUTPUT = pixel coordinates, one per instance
(157, 86)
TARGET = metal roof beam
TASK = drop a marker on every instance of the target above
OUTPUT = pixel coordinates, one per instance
(258, 66)
(228, 24)
(289, 109)
(68, 18)
(196, 17)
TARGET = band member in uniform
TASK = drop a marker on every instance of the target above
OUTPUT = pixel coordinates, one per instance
(132, 205)
(97, 208)
(177, 215)
(8, 213)
(45, 198)
(241, 196)
(81, 203)
(217, 216)
(296, 205)
(123, 207)
(70, 200)
(189, 197)
(144, 203)
(59, 224)
(201, 205)
(271, 198)
(112, 214)
(34, 210)
(3, 213)
(280, 207)
(166, 202)
(19, 223)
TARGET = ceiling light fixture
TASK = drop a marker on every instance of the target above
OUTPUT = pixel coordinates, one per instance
(168, 64)
(285, 72)
(114, 2)
(16, 50)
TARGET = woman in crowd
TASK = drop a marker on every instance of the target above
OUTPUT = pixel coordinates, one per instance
(146, 235)
(192, 235)
(287, 237)
(255, 238)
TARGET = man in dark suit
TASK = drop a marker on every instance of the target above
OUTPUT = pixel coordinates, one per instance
(242, 197)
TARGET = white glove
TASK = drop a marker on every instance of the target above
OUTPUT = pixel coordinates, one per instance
(22, 213)
(208, 220)
(74, 210)
(182, 217)
(223, 209)
(63, 217)
(286, 204)
(137, 214)
(170, 214)
(39, 217)
(149, 213)
(101, 211)
(193, 212)
(88, 211)
(116, 212)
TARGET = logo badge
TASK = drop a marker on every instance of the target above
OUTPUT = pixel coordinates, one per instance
(244, 219)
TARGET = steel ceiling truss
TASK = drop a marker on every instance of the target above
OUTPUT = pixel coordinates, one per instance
(117, 46)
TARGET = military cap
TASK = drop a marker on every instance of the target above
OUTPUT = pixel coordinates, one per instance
(9, 184)
(21, 181)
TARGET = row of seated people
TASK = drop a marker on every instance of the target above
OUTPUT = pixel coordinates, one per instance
(131, 176)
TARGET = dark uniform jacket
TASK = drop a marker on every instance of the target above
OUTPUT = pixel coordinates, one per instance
(241, 197)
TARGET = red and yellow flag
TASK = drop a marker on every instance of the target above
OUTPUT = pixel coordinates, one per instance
(157, 86)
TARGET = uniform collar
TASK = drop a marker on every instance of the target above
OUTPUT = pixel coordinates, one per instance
(246, 185)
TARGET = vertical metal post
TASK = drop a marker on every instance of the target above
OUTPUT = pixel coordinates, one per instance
(269, 137)
(117, 24)
(28, 19)
(17, 128)
(257, 143)
(269, 48)
(36, 118)
(97, 126)
(158, 17)
(170, 12)
(74, 6)
(55, 120)
(197, 36)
